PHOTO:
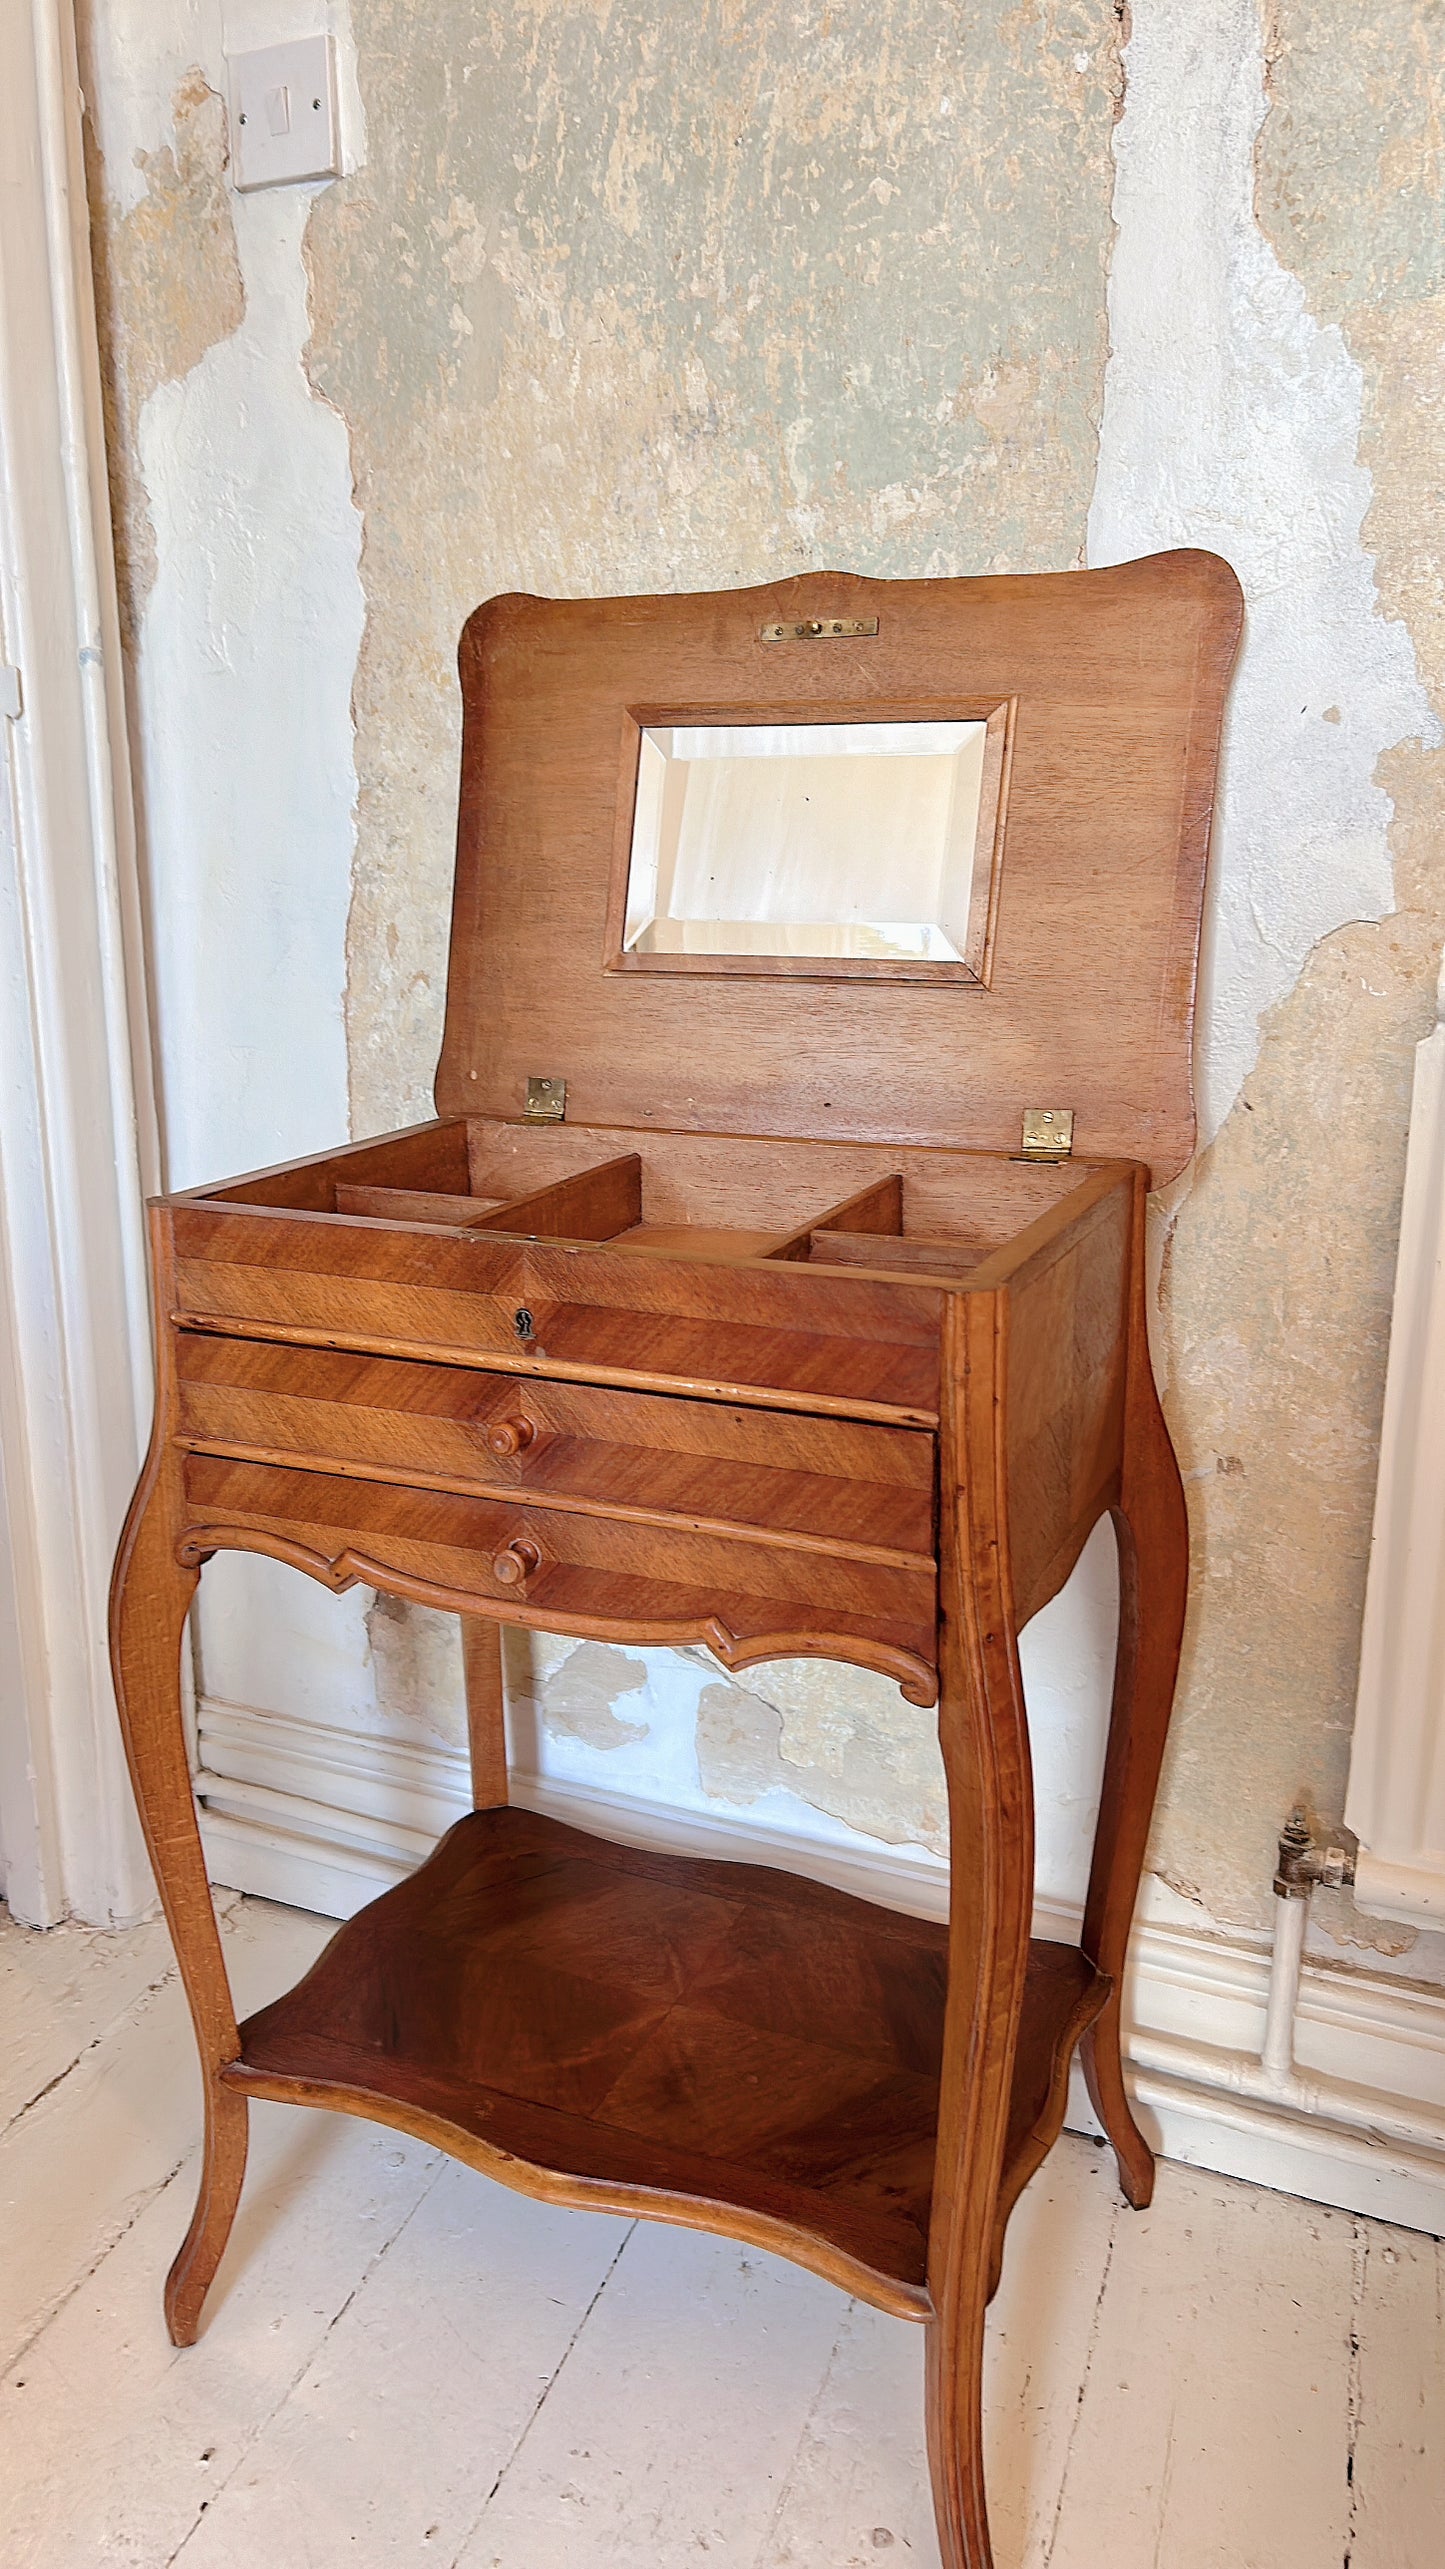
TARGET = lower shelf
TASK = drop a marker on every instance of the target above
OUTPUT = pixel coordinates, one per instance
(705, 2042)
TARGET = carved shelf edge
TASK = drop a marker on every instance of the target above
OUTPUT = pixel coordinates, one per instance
(916, 1680)
(590, 2194)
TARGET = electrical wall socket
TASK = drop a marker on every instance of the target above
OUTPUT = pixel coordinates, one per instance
(284, 125)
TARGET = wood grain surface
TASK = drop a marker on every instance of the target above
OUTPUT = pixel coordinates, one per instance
(844, 1343)
(813, 1483)
(589, 1573)
(776, 1348)
(1119, 678)
(453, 1172)
(709, 2042)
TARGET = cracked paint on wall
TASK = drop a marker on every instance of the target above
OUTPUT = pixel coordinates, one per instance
(799, 1750)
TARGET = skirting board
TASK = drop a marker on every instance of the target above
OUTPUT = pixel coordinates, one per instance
(325, 1819)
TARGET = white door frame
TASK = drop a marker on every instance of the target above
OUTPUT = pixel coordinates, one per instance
(77, 1118)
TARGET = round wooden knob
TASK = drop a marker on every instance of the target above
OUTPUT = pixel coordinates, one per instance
(508, 1436)
(516, 1564)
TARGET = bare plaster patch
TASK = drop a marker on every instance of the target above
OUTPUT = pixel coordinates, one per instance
(174, 253)
(841, 1738)
(416, 1657)
(578, 1695)
(738, 1742)
(168, 286)
(1276, 1313)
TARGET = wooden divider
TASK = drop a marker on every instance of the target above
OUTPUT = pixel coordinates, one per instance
(605, 1203)
(594, 1205)
(414, 1204)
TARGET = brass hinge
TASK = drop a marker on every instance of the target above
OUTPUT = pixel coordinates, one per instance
(546, 1101)
(822, 628)
(1048, 1133)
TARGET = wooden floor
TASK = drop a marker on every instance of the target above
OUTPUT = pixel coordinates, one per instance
(405, 2365)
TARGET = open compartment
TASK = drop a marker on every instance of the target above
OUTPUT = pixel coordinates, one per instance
(889, 1209)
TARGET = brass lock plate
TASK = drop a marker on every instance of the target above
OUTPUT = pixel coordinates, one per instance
(822, 628)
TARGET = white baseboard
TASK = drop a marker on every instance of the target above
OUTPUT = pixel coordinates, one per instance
(325, 1819)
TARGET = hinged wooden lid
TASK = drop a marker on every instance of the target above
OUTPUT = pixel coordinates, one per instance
(1117, 681)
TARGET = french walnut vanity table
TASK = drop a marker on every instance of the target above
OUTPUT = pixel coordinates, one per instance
(822, 976)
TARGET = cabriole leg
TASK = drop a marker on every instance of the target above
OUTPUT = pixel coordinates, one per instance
(1152, 1528)
(988, 1952)
(223, 2166)
(149, 1599)
(954, 2367)
(983, 1733)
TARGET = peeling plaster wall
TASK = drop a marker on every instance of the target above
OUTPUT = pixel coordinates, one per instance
(620, 299)
(1275, 389)
(628, 298)
(239, 545)
(240, 550)
(1232, 419)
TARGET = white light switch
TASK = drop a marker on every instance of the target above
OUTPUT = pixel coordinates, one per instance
(283, 114)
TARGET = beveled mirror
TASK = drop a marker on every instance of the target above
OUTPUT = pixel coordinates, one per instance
(813, 848)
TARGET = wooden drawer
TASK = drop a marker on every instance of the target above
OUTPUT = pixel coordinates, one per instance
(572, 1570)
(857, 1346)
(815, 1484)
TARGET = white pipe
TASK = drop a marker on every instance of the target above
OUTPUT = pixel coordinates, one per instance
(1412, 1891)
(1277, 2057)
(1322, 2100)
(1273, 2079)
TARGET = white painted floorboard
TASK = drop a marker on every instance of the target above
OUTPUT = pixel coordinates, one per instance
(405, 2367)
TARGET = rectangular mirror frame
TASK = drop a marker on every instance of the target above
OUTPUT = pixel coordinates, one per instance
(997, 717)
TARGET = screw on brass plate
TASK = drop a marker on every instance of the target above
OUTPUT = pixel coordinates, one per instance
(1048, 1133)
(546, 1101)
